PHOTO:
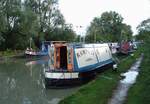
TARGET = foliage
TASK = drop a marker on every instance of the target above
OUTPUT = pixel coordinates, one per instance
(144, 30)
(64, 33)
(108, 27)
(40, 20)
(126, 32)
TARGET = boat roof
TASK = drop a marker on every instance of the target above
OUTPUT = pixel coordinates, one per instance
(80, 45)
(53, 42)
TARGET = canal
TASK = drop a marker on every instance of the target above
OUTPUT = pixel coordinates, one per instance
(22, 82)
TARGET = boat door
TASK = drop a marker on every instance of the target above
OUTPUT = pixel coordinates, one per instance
(60, 56)
(63, 57)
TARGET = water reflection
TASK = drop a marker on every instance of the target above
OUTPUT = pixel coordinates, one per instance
(23, 83)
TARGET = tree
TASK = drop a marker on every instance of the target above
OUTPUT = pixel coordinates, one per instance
(2, 27)
(126, 32)
(64, 33)
(10, 9)
(49, 18)
(19, 24)
(144, 29)
(108, 27)
(40, 20)
(144, 26)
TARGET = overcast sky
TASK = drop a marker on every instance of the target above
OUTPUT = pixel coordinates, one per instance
(82, 12)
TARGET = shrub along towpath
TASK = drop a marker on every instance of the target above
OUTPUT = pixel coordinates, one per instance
(100, 90)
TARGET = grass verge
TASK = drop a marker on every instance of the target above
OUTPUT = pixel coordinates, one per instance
(140, 91)
(100, 90)
(9, 53)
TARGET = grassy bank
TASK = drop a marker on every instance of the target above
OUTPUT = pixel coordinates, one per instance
(10, 53)
(140, 92)
(100, 90)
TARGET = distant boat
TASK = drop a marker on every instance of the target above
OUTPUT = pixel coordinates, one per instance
(71, 63)
(42, 52)
(125, 47)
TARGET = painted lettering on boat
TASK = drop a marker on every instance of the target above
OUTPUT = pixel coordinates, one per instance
(84, 52)
(85, 57)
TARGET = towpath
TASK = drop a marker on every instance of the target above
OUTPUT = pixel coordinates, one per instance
(120, 94)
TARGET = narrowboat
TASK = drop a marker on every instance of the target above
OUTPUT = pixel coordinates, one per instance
(125, 48)
(71, 64)
(43, 51)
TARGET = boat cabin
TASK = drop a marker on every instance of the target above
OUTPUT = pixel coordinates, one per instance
(78, 57)
(61, 56)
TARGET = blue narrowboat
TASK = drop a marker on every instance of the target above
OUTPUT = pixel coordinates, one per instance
(71, 63)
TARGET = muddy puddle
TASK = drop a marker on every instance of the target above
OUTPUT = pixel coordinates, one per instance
(129, 79)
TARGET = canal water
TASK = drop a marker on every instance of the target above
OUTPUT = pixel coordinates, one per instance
(22, 82)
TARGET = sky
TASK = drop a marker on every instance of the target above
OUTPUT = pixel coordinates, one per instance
(82, 12)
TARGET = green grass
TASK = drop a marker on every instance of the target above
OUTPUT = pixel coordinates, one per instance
(9, 53)
(100, 90)
(140, 91)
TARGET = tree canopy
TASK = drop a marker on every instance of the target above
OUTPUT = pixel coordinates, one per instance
(37, 19)
(143, 29)
(108, 27)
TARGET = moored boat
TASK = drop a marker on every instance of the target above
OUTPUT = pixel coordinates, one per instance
(125, 48)
(72, 63)
(43, 52)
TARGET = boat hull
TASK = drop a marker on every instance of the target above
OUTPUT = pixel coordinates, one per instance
(57, 81)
